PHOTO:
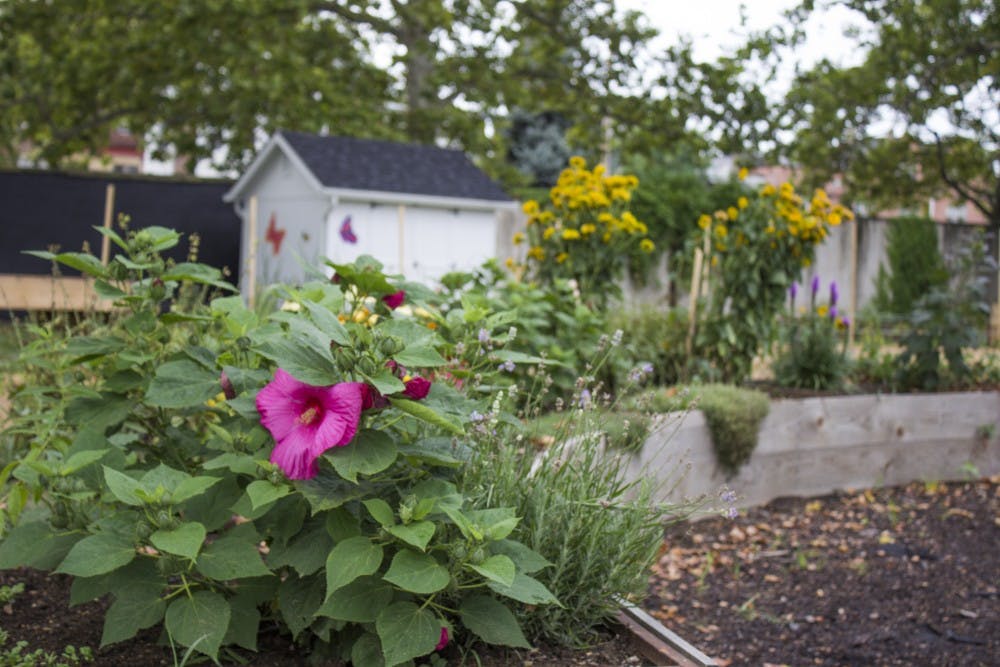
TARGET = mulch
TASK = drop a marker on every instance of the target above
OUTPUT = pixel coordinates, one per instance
(896, 576)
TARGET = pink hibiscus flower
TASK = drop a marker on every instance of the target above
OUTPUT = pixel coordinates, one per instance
(394, 300)
(416, 387)
(306, 420)
(443, 641)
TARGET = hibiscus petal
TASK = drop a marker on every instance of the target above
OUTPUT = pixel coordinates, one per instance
(295, 454)
(279, 411)
(342, 412)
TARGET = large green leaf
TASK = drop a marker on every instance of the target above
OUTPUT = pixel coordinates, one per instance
(354, 557)
(191, 487)
(381, 511)
(369, 453)
(182, 384)
(83, 348)
(262, 492)
(136, 607)
(231, 557)
(493, 622)
(307, 552)
(298, 600)
(198, 273)
(244, 623)
(417, 572)
(420, 356)
(417, 534)
(406, 632)
(424, 413)
(359, 601)
(99, 412)
(525, 589)
(82, 262)
(367, 651)
(526, 559)
(327, 322)
(498, 568)
(97, 554)
(35, 544)
(199, 621)
(185, 540)
(306, 363)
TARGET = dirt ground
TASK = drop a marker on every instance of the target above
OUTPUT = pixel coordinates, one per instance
(897, 576)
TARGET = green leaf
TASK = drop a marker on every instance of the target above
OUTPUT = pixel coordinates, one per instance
(97, 554)
(491, 621)
(298, 600)
(35, 544)
(75, 260)
(369, 453)
(307, 552)
(350, 559)
(367, 651)
(496, 523)
(327, 491)
(527, 560)
(244, 623)
(417, 573)
(199, 621)
(83, 348)
(191, 487)
(182, 384)
(498, 568)
(367, 279)
(436, 451)
(424, 413)
(406, 632)
(99, 412)
(328, 323)
(522, 358)
(386, 382)
(262, 492)
(525, 589)
(380, 511)
(231, 557)
(238, 463)
(81, 460)
(420, 356)
(185, 540)
(305, 363)
(198, 273)
(417, 534)
(359, 601)
(137, 605)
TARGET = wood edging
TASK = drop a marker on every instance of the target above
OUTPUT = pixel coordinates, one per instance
(658, 643)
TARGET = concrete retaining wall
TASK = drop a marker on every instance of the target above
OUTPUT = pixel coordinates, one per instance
(817, 445)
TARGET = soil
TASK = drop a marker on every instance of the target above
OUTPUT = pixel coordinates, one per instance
(895, 576)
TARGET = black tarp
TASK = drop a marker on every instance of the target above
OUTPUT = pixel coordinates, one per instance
(40, 209)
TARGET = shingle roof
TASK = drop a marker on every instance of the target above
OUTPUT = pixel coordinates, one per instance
(388, 166)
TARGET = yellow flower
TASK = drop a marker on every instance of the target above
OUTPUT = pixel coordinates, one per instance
(530, 207)
(715, 260)
(570, 235)
(588, 228)
(606, 218)
(742, 202)
(620, 194)
(577, 162)
(646, 245)
(806, 262)
(822, 310)
(537, 253)
(720, 230)
(834, 219)
(518, 238)
(839, 323)
(547, 234)
(607, 237)
(704, 221)
(599, 170)
(509, 262)
(732, 213)
(743, 173)
(562, 257)
(767, 190)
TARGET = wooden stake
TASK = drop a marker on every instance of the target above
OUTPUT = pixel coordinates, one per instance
(109, 211)
(251, 267)
(699, 257)
(853, 311)
(706, 260)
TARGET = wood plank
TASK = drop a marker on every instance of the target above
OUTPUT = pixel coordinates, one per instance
(41, 293)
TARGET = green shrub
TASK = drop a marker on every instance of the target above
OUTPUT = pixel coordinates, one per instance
(813, 354)
(734, 416)
(915, 265)
(656, 336)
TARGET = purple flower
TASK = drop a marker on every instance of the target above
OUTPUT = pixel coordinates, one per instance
(306, 420)
(814, 285)
(484, 336)
(508, 366)
(833, 312)
(584, 398)
(846, 321)
(793, 291)
(647, 368)
(732, 513)
(834, 293)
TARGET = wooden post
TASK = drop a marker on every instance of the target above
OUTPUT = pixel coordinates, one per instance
(699, 257)
(706, 260)
(109, 211)
(853, 310)
(251, 267)
(401, 213)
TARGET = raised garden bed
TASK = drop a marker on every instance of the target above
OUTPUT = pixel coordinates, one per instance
(817, 445)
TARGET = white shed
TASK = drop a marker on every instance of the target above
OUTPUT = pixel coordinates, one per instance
(420, 210)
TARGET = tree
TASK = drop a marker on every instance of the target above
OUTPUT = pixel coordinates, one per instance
(204, 76)
(917, 116)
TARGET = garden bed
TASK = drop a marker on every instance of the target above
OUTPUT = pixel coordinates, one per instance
(893, 576)
(818, 445)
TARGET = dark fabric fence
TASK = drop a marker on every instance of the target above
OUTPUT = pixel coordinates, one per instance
(40, 209)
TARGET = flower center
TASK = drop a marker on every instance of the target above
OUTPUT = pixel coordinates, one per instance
(311, 414)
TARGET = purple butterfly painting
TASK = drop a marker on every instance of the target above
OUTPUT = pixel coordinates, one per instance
(346, 232)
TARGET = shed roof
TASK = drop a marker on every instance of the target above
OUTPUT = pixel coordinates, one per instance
(371, 165)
